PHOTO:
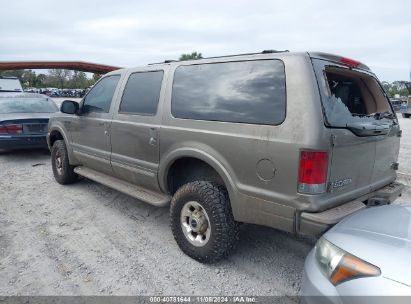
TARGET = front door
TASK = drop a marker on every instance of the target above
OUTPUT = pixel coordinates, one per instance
(91, 129)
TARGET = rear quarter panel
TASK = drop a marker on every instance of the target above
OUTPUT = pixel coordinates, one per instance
(236, 149)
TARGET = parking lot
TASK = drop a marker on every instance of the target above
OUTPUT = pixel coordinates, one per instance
(88, 239)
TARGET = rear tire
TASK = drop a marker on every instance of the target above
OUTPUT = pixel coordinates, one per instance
(62, 170)
(203, 206)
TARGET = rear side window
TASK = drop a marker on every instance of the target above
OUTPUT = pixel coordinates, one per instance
(245, 92)
(142, 93)
(100, 97)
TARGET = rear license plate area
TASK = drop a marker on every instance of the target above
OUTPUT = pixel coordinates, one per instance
(35, 128)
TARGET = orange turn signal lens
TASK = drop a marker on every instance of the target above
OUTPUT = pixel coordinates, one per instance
(351, 267)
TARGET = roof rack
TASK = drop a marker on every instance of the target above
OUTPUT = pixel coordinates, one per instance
(165, 61)
(246, 54)
(223, 56)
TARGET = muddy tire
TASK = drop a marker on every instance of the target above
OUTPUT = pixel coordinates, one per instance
(202, 222)
(62, 170)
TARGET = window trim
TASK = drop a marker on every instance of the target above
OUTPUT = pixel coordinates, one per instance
(235, 122)
(159, 95)
(111, 103)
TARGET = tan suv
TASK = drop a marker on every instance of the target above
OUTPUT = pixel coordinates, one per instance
(293, 141)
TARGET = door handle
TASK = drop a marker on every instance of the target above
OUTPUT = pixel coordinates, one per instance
(105, 125)
(153, 137)
(152, 141)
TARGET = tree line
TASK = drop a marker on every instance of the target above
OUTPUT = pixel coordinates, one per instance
(55, 78)
(65, 79)
(396, 88)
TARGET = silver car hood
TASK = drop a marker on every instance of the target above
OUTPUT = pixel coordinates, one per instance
(380, 236)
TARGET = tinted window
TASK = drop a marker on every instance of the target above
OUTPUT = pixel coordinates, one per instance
(27, 105)
(100, 96)
(142, 93)
(247, 92)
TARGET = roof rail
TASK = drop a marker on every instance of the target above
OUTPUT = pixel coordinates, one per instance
(246, 54)
(273, 51)
(223, 56)
(165, 61)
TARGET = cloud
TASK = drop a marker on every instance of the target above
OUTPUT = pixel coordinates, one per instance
(132, 33)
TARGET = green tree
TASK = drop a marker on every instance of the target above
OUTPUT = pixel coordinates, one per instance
(40, 80)
(78, 80)
(94, 79)
(396, 87)
(29, 78)
(12, 73)
(193, 55)
(387, 86)
(61, 76)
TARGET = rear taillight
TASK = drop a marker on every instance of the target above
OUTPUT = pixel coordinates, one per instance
(312, 177)
(11, 129)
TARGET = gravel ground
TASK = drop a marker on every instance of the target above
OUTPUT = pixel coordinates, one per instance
(86, 239)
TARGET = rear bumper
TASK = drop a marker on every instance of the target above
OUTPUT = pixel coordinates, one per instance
(22, 142)
(316, 223)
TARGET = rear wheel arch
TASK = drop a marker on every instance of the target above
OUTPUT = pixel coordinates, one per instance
(207, 164)
(188, 169)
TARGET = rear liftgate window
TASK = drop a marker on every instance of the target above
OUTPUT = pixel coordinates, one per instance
(354, 100)
(245, 92)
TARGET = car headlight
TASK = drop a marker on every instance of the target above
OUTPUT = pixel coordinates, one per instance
(340, 266)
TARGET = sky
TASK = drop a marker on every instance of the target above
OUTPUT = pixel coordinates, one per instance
(135, 33)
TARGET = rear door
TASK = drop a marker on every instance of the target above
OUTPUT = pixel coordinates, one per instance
(136, 125)
(364, 129)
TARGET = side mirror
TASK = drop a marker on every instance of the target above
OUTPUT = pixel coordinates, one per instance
(69, 107)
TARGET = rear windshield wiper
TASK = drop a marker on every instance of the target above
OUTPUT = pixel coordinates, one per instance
(377, 116)
(386, 114)
(369, 128)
